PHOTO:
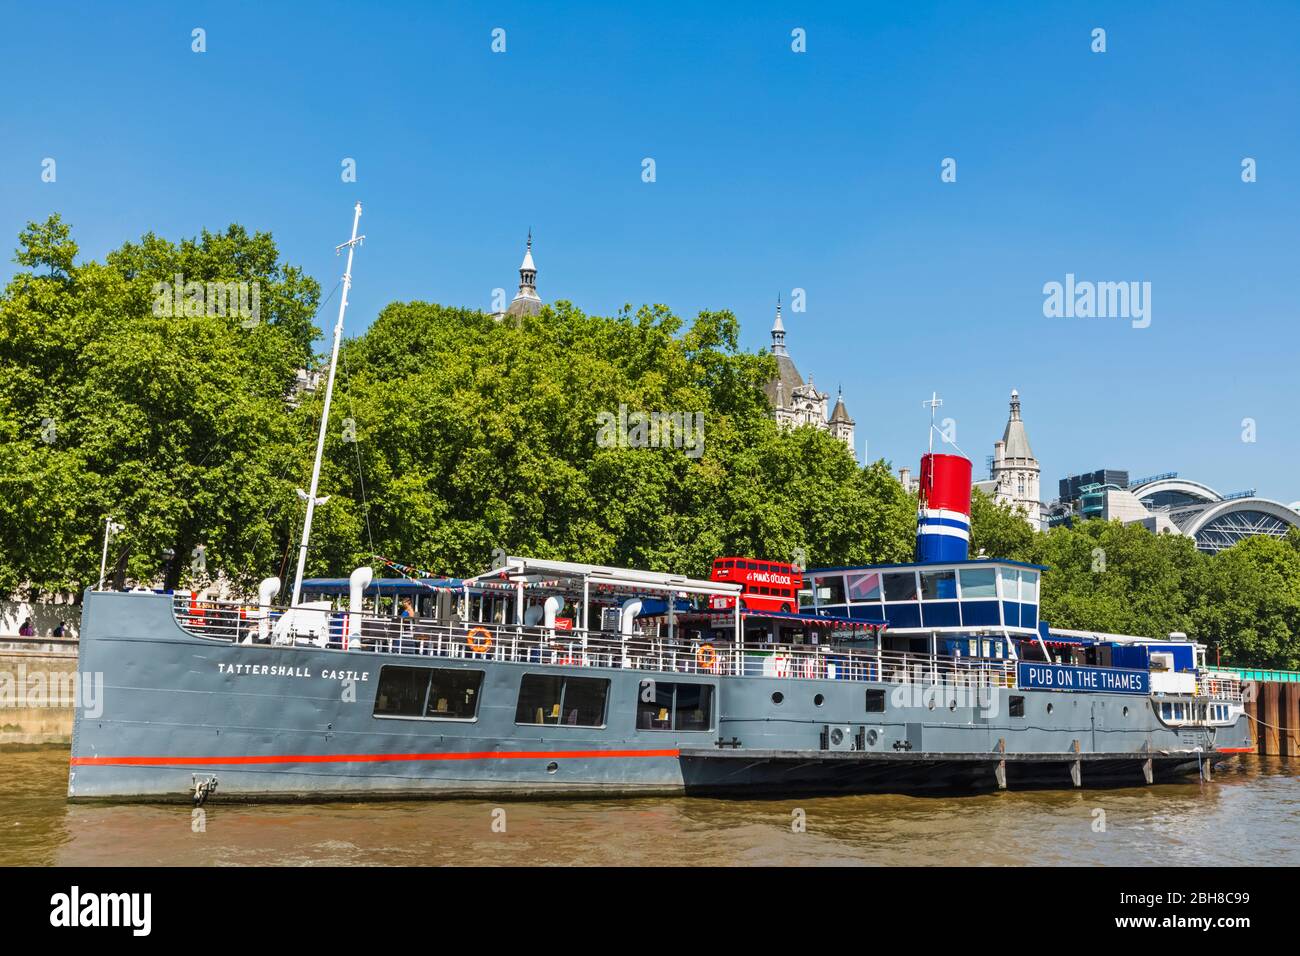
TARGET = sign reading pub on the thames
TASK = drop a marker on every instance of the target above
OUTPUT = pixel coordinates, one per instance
(1065, 677)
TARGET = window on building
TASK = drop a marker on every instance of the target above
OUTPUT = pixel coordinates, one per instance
(568, 701)
(665, 706)
(442, 693)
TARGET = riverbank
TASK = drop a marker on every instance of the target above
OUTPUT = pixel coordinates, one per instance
(38, 677)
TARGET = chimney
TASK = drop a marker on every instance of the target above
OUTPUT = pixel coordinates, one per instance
(905, 476)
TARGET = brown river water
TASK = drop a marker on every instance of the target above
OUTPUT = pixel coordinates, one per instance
(1249, 814)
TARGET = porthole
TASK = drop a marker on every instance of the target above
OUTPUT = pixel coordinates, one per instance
(1125, 711)
(778, 697)
(819, 700)
(1050, 708)
(552, 767)
(952, 705)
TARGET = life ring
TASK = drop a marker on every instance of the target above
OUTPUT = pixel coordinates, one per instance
(707, 657)
(479, 640)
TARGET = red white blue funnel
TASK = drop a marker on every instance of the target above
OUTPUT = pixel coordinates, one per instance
(943, 519)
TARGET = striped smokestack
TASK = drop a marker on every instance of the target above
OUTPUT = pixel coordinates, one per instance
(943, 518)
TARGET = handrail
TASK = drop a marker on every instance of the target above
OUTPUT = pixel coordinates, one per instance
(644, 650)
(325, 629)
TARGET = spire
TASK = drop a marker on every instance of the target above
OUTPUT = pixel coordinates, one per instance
(526, 301)
(1014, 438)
(840, 413)
(778, 331)
(528, 271)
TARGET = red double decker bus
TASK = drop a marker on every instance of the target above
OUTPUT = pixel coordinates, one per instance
(768, 585)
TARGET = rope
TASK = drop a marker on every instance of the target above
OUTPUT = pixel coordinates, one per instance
(1281, 730)
(361, 478)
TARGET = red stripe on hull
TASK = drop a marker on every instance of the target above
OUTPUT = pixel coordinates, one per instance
(1236, 750)
(364, 758)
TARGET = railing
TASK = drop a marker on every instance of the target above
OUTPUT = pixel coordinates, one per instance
(536, 645)
(1264, 675)
(1220, 686)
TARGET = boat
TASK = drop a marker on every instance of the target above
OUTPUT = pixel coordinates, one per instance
(539, 678)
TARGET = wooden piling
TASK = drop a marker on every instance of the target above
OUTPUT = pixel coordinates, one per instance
(1290, 722)
(1251, 690)
(1270, 718)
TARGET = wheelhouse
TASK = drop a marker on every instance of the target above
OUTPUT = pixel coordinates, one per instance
(979, 608)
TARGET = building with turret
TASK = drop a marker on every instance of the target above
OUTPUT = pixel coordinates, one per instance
(795, 402)
(526, 300)
(1014, 472)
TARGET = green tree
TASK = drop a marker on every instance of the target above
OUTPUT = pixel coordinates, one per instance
(998, 531)
(1248, 604)
(174, 424)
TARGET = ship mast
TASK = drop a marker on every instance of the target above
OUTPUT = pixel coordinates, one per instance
(310, 496)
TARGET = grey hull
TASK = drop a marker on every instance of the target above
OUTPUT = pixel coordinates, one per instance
(297, 723)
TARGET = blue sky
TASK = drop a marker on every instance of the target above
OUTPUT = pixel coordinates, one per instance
(775, 170)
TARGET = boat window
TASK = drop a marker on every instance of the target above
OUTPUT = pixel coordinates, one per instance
(427, 692)
(979, 583)
(830, 590)
(875, 702)
(1029, 585)
(664, 706)
(401, 691)
(1166, 710)
(1010, 584)
(584, 702)
(864, 587)
(692, 706)
(539, 700)
(571, 701)
(1016, 706)
(900, 586)
(937, 585)
(453, 693)
(805, 597)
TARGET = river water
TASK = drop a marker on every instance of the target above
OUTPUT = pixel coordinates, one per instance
(1249, 814)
